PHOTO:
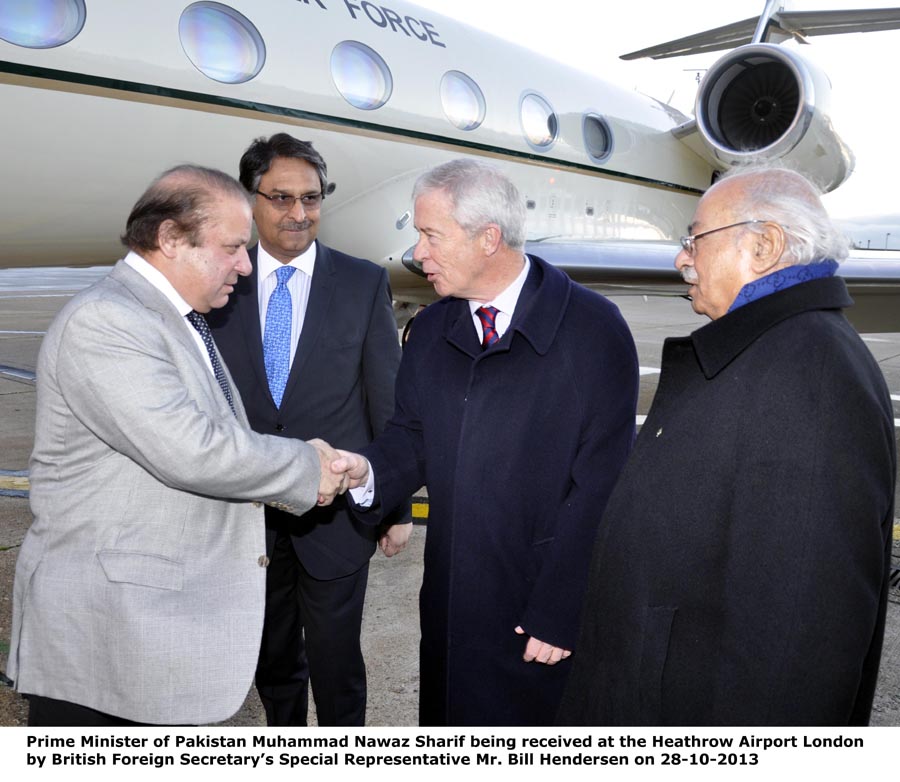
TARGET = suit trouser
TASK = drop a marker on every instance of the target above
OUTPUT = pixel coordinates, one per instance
(311, 634)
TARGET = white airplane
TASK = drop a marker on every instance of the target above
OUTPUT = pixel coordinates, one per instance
(99, 96)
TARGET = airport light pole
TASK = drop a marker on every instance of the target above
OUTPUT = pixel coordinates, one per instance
(886, 237)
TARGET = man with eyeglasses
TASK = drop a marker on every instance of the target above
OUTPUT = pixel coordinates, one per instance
(311, 341)
(740, 576)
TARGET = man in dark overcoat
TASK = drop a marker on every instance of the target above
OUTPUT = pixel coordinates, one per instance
(740, 576)
(515, 405)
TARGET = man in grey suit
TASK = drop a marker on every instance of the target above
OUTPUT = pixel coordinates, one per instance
(140, 585)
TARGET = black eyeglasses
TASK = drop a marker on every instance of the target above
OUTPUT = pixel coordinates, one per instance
(689, 242)
(284, 202)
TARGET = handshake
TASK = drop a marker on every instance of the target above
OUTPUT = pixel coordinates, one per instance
(338, 471)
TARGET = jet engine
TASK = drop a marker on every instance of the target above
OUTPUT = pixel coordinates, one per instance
(763, 101)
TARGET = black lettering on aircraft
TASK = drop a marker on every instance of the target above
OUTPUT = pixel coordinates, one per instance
(318, 3)
(384, 17)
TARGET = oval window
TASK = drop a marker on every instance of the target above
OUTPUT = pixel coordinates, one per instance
(221, 43)
(597, 137)
(539, 121)
(462, 100)
(360, 75)
(41, 24)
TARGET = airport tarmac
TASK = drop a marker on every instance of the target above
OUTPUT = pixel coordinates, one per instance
(28, 301)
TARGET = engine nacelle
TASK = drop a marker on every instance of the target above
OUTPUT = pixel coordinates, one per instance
(765, 101)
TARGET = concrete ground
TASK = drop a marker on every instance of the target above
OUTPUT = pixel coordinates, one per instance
(390, 625)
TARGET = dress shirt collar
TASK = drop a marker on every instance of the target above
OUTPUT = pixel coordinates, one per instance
(159, 281)
(266, 264)
(506, 301)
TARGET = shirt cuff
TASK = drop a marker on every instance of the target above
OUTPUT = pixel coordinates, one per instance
(364, 496)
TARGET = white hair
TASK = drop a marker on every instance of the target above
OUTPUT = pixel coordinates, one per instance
(780, 195)
(481, 194)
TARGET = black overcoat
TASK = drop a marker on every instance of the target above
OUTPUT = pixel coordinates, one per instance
(740, 577)
(519, 447)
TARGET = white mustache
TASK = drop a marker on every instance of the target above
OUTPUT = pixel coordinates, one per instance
(689, 275)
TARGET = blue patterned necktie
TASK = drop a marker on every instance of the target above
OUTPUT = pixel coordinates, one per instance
(488, 317)
(199, 322)
(277, 337)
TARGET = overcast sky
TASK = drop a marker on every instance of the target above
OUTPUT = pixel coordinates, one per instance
(591, 35)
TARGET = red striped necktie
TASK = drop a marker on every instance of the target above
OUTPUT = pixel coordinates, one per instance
(488, 317)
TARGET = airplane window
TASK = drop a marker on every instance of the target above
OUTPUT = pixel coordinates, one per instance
(597, 137)
(361, 76)
(221, 43)
(462, 100)
(539, 121)
(41, 25)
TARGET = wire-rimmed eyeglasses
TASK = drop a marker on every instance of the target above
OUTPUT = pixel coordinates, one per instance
(284, 202)
(688, 242)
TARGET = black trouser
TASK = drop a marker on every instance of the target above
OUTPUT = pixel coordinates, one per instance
(311, 633)
(51, 713)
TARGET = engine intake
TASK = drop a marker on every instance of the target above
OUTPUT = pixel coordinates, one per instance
(765, 101)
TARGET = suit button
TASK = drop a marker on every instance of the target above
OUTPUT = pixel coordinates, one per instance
(263, 561)
(279, 427)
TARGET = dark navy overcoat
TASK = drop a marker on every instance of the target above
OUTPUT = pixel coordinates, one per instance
(519, 447)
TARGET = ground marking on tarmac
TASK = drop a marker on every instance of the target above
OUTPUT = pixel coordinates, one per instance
(18, 374)
(895, 397)
(36, 295)
(2, 331)
(649, 371)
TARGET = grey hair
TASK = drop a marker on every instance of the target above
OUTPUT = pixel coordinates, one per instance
(778, 194)
(481, 194)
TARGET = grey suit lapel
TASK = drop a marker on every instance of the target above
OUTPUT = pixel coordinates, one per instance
(153, 299)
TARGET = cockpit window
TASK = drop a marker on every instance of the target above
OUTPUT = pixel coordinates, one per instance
(598, 138)
(361, 75)
(539, 122)
(41, 24)
(221, 43)
(462, 100)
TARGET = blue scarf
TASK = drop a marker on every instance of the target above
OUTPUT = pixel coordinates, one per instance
(783, 278)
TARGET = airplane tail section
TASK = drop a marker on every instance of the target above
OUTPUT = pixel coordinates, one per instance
(774, 25)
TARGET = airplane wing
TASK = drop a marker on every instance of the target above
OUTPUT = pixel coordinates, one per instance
(647, 268)
(782, 25)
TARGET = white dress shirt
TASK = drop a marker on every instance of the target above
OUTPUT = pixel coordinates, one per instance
(505, 303)
(298, 285)
(159, 281)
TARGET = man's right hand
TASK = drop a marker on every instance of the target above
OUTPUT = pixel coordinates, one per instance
(331, 483)
(353, 466)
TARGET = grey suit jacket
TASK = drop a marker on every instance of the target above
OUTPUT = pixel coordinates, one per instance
(139, 589)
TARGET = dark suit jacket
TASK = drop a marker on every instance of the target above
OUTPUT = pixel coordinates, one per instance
(741, 572)
(341, 388)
